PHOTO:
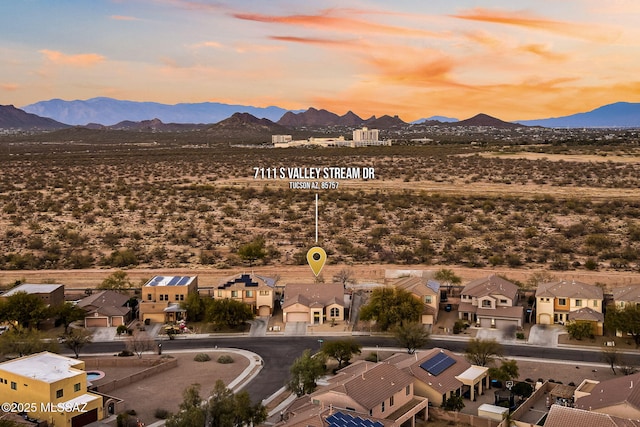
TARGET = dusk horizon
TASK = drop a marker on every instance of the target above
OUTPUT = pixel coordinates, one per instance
(416, 60)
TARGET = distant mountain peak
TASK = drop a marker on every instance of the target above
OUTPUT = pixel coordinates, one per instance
(483, 119)
(15, 118)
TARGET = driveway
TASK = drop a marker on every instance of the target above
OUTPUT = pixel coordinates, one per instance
(501, 336)
(259, 326)
(545, 335)
(295, 329)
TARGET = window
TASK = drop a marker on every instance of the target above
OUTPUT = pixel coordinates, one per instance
(335, 312)
(14, 385)
(59, 393)
(578, 303)
(503, 301)
(486, 303)
(177, 297)
(149, 297)
(562, 301)
(249, 294)
(391, 401)
(428, 299)
(219, 294)
(76, 387)
(234, 294)
(161, 297)
(166, 297)
(264, 293)
(382, 407)
(595, 303)
(408, 390)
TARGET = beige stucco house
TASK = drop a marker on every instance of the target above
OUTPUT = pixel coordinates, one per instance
(255, 291)
(564, 301)
(314, 303)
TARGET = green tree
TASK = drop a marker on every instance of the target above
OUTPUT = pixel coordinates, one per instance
(507, 371)
(341, 350)
(226, 409)
(579, 330)
(27, 310)
(390, 307)
(75, 339)
(483, 352)
(304, 372)
(21, 341)
(192, 409)
(195, 306)
(253, 250)
(229, 312)
(68, 313)
(453, 403)
(412, 336)
(624, 320)
(447, 277)
(118, 281)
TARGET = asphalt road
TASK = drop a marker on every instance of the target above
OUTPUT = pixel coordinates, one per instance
(279, 352)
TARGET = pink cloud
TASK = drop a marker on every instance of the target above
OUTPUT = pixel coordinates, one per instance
(10, 87)
(79, 60)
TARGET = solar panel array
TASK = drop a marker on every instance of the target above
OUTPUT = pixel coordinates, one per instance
(244, 278)
(172, 281)
(437, 364)
(340, 419)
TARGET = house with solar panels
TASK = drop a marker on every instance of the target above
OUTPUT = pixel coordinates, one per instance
(256, 291)
(439, 373)
(362, 394)
(162, 295)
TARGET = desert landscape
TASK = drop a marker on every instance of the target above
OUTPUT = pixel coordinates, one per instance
(73, 210)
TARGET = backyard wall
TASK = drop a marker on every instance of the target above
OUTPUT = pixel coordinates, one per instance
(472, 420)
(148, 367)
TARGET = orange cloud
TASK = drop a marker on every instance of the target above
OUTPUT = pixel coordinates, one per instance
(10, 87)
(327, 19)
(529, 20)
(124, 18)
(311, 40)
(543, 51)
(79, 60)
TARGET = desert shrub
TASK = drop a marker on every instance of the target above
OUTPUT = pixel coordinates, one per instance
(225, 359)
(125, 353)
(202, 357)
(372, 357)
(161, 413)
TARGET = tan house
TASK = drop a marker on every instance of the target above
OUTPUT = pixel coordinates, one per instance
(564, 416)
(562, 302)
(51, 294)
(253, 290)
(314, 303)
(626, 295)
(106, 309)
(491, 302)
(162, 295)
(438, 374)
(427, 291)
(377, 390)
(618, 396)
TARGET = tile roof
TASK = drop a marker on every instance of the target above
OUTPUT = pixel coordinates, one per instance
(586, 313)
(369, 387)
(442, 383)
(563, 416)
(315, 294)
(492, 285)
(564, 289)
(612, 392)
(514, 312)
(102, 299)
(417, 285)
(629, 293)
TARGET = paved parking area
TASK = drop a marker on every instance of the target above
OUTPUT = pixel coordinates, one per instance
(295, 329)
(545, 335)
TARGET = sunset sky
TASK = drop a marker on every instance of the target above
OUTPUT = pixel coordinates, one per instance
(514, 60)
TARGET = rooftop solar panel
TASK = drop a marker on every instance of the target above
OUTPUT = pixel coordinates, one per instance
(437, 364)
(340, 419)
(184, 280)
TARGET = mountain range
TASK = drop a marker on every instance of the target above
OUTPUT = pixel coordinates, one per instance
(107, 113)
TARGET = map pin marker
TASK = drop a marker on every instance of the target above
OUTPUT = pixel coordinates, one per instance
(316, 257)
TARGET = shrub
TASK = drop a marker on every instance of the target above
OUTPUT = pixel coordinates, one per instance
(459, 326)
(372, 357)
(203, 357)
(125, 353)
(520, 335)
(225, 359)
(161, 414)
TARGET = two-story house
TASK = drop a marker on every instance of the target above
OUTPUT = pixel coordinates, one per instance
(563, 301)
(162, 295)
(255, 291)
(427, 291)
(52, 388)
(491, 302)
(626, 295)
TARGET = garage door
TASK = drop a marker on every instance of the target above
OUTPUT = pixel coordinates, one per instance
(485, 322)
(85, 418)
(264, 310)
(297, 317)
(505, 324)
(96, 322)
